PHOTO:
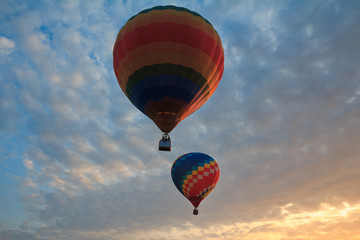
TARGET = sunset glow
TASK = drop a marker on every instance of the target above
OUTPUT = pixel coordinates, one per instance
(78, 161)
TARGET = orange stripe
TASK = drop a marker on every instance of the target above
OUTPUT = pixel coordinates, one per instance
(167, 53)
(203, 95)
(163, 47)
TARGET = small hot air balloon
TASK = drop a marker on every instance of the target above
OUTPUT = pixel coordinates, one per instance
(168, 61)
(195, 176)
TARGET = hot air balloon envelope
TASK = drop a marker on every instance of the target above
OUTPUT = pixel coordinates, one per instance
(195, 176)
(168, 61)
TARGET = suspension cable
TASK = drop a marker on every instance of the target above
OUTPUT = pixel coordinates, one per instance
(117, 205)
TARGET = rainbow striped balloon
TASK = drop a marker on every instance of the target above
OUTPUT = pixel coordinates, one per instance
(168, 61)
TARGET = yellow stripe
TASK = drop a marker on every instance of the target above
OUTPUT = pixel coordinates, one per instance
(167, 52)
(130, 63)
(166, 57)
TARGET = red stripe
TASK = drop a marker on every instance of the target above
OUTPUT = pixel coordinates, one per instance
(159, 32)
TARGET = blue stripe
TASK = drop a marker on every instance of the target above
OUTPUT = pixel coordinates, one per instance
(157, 87)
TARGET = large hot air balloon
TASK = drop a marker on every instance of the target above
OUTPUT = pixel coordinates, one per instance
(195, 176)
(168, 61)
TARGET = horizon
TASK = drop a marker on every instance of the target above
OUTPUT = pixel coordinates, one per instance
(79, 161)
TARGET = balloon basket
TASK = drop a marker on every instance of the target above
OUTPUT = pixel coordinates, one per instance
(165, 143)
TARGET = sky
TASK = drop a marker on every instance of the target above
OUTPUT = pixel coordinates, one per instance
(79, 161)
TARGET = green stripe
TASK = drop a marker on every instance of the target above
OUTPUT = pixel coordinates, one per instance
(173, 8)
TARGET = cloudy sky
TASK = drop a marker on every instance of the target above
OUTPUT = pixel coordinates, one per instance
(78, 161)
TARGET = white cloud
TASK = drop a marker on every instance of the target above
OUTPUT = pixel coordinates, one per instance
(6, 46)
(29, 164)
(283, 126)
